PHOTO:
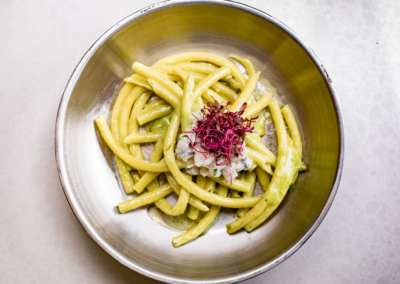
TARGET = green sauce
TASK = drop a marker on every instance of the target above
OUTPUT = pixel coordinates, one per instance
(159, 125)
(289, 163)
(180, 223)
(183, 223)
(273, 196)
(177, 223)
(259, 124)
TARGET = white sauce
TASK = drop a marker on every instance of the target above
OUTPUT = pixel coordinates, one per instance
(204, 164)
(197, 163)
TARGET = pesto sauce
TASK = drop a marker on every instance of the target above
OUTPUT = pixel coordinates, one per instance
(288, 164)
(259, 124)
(179, 223)
(159, 125)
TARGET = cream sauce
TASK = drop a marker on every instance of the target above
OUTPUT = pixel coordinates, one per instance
(179, 223)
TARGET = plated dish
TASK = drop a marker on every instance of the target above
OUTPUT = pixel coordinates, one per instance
(87, 168)
(204, 115)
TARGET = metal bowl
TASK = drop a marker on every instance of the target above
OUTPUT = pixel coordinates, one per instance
(87, 171)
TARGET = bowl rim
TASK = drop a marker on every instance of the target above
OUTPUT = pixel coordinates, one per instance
(60, 121)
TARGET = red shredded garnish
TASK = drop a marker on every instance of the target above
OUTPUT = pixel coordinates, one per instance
(221, 133)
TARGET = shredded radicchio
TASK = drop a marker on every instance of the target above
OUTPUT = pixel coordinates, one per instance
(221, 133)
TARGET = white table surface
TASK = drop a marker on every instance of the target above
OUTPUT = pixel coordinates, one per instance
(41, 241)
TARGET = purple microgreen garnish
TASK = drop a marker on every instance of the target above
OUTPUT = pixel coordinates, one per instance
(221, 133)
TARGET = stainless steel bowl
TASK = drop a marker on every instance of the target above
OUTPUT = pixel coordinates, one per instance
(89, 179)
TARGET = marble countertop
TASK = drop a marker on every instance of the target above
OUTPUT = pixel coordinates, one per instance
(358, 42)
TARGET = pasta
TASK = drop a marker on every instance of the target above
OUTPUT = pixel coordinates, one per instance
(205, 123)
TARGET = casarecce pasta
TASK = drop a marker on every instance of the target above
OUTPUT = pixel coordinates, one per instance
(201, 122)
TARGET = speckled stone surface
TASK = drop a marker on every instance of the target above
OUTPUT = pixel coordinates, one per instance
(41, 241)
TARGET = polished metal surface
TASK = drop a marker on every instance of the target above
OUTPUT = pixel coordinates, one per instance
(89, 178)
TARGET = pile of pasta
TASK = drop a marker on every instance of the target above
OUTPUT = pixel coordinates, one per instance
(183, 83)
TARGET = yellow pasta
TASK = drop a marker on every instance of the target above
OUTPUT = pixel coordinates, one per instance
(210, 80)
(250, 101)
(193, 200)
(250, 178)
(187, 102)
(124, 173)
(164, 93)
(156, 112)
(217, 87)
(247, 218)
(246, 63)
(200, 102)
(174, 78)
(210, 96)
(286, 169)
(142, 138)
(261, 160)
(182, 203)
(263, 178)
(172, 70)
(193, 211)
(144, 181)
(255, 108)
(155, 156)
(145, 199)
(253, 166)
(188, 184)
(205, 57)
(138, 80)
(122, 154)
(202, 225)
(183, 83)
(246, 93)
(255, 142)
(233, 84)
(136, 177)
(180, 84)
(154, 103)
(236, 184)
(293, 128)
(124, 93)
(160, 78)
(148, 177)
(235, 194)
(209, 186)
(158, 151)
(123, 168)
(225, 91)
(135, 149)
(279, 125)
(202, 68)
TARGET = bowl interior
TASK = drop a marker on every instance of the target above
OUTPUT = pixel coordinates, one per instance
(88, 172)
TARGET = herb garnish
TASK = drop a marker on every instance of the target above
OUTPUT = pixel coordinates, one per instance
(221, 133)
